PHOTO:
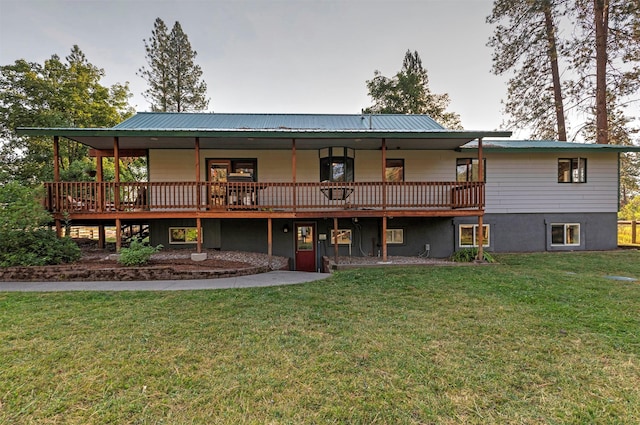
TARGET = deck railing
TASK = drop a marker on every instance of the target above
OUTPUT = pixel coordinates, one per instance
(86, 197)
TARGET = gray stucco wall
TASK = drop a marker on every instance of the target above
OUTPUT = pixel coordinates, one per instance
(532, 232)
(508, 233)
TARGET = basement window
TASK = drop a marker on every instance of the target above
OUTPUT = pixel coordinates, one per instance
(565, 234)
(468, 235)
(183, 235)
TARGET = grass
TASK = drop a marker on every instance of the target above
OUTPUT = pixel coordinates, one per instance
(539, 338)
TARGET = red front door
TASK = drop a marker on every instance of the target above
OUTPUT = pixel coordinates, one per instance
(305, 247)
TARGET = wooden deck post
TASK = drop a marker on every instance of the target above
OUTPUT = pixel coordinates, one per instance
(56, 178)
(118, 235)
(198, 194)
(335, 240)
(116, 165)
(101, 202)
(384, 174)
(101, 236)
(270, 238)
(480, 235)
(56, 159)
(199, 236)
(384, 238)
(634, 224)
(294, 172)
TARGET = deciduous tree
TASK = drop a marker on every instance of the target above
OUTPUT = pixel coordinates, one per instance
(58, 93)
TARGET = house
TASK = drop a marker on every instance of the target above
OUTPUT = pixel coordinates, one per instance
(306, 185)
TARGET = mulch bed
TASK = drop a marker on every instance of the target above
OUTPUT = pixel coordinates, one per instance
(109, 270)
(97, 265)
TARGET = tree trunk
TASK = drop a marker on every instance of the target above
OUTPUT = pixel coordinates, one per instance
(601, 15)
(555, 73)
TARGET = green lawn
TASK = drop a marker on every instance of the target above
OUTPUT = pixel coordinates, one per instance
(539, 338)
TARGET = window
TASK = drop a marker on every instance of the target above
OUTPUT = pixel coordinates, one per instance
(183, 235)
(468, 234)
(394, 170)
(572, 170)
(220, 169)
(344, 236)
(336, 164)
(467, 170)
(395, 236)
(565, 234)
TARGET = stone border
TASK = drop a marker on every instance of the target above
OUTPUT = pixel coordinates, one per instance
(69, 274)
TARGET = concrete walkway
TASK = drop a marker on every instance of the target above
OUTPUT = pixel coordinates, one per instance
(275, 278)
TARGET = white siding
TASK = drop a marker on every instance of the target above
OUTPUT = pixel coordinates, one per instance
(528, 183)
(516, 182)
(275, 165)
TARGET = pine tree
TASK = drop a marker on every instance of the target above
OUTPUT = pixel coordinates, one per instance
(408, 93)
(525, 41)
(173, 77)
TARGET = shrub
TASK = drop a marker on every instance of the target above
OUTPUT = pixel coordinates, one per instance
(25, 239)
(39, 247)
(467, 255)
(137, 254)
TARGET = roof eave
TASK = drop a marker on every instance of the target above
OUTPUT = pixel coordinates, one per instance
(260, 133)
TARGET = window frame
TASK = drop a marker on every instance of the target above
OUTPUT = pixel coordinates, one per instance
(576, 173)
(390, 239)
(388, 165)
(486, 242)
(186, 230)
(470, 164)
(341, 239)
(232, 165)
(565, 226)
(332, 156)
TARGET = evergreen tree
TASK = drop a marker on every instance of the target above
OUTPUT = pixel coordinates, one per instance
(408, 93)
(605, 54)
(54, 94)
(525, 41)
(601, 60)
(173, 77)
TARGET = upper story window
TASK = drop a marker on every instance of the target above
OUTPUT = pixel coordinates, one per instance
(467, 170)
(336, 164)
(394, 170)
(572, 170)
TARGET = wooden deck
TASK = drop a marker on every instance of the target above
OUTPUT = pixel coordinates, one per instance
(263, 199)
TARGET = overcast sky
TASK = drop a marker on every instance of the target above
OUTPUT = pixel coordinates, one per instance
(275, 56)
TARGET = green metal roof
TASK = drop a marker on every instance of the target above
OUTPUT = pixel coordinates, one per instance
(278, 122)
(150, 130)
(546, 145)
